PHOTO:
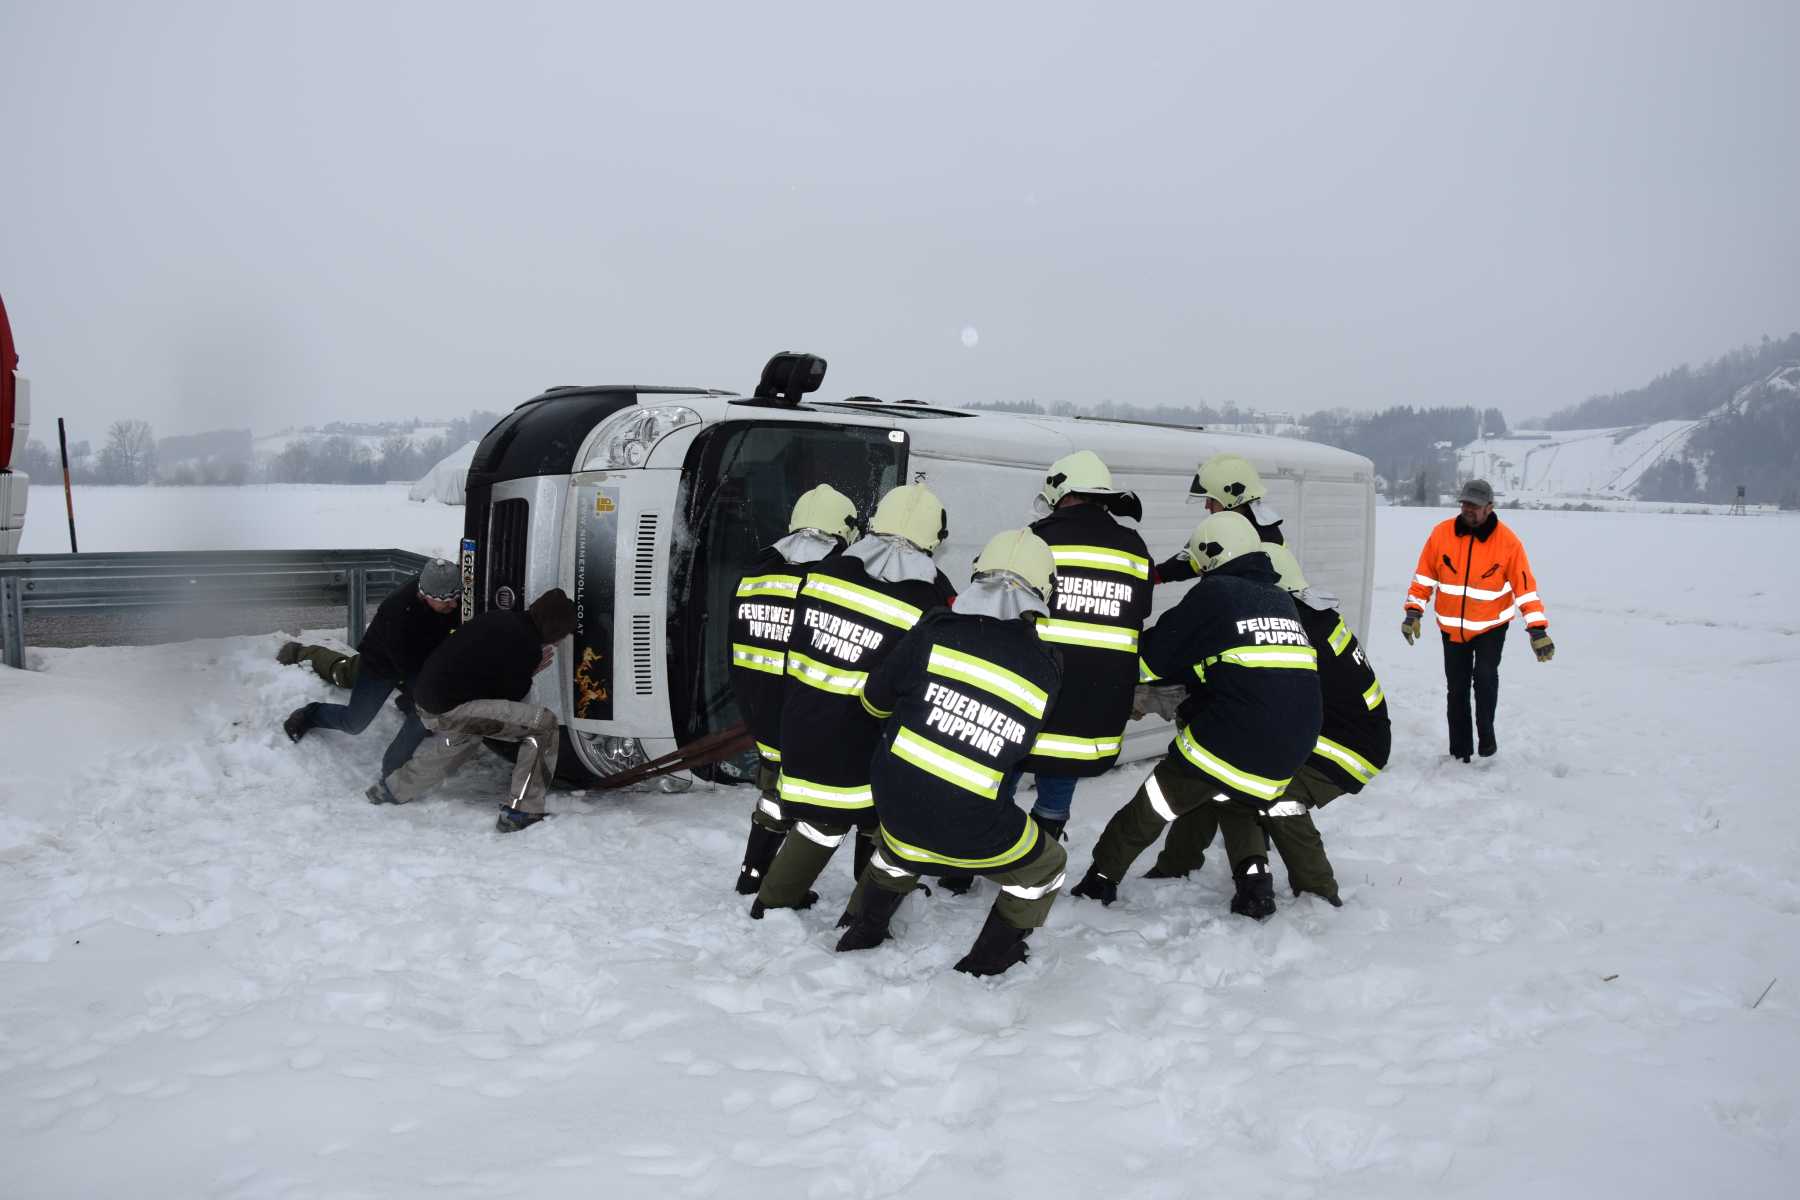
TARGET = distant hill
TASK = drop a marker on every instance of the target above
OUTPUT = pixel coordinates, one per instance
(1684, 394)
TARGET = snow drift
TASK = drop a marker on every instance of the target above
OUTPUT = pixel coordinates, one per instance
(444, 482)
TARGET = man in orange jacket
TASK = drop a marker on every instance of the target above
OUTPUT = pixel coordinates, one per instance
(1483, 580)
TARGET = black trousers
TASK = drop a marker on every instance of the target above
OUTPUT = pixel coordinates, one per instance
(1474, 663)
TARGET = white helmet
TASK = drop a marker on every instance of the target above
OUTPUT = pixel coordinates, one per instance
(1221, 538)
(912, 512)
(1288, 575)
(1020, 553)
(827, 510)
(1228, 479)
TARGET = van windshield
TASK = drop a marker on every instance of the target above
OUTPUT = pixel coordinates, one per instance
(738, 487)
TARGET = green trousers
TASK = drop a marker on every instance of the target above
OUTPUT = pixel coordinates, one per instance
(1026, 892)
(1170, 793)
(1296, 838)
(333, 666)
(801, 860)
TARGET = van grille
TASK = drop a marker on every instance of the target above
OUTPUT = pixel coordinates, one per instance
(643, 670)
(509, 541)
(643, 573)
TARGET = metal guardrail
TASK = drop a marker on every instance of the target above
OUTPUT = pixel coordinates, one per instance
(204, 578)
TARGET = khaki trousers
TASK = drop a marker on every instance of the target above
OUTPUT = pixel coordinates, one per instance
(458, 735)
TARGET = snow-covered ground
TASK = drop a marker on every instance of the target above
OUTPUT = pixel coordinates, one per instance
(223, 973)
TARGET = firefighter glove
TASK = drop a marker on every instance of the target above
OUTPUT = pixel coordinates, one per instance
(1409, 628)
(1542, 646)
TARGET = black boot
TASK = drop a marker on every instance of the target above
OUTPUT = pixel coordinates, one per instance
(1052, 827)
(956, 883)
(998, 946)
(1095, 886)
(298, 723)
(870, 927)
(758, 908)
(759, 852)
(1255, 891)
(1159, 871)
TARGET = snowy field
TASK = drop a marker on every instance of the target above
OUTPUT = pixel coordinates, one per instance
(223, 973)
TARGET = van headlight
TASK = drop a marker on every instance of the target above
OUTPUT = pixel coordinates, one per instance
(611, 755)
(627, 437)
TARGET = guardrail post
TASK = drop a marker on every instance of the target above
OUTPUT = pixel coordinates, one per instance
(358, 602)
(12, 621)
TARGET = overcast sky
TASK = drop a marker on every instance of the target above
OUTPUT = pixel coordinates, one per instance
(261, 214)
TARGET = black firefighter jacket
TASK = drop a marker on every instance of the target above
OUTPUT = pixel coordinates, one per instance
(402, 635)
(1354, 738)
(1253, 709)
(963, 697)
(762, 614)
(493, 657)
(1179, 568)
(846, 623)
(1096, 617)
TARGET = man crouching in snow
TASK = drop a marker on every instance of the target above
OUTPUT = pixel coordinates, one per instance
(474, 687)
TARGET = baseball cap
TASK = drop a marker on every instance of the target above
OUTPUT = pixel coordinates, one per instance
(1476, 491)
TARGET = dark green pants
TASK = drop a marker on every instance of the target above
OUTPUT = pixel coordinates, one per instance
(1171, 793)
(801, 859)
(1295, 837)
(1026, 891)
(333, 666)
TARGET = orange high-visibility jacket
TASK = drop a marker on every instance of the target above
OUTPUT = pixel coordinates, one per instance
(1483, 580)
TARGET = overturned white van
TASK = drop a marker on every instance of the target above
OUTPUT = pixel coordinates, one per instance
(646, 504)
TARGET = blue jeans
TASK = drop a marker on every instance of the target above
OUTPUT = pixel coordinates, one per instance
(367, 696)
(1055, 793)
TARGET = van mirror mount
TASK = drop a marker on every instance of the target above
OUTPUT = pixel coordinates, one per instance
(788, 376)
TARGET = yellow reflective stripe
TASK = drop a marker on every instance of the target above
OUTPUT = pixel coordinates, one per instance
(807, 792)
(880, 714)
(1360, 768)
(947, 765)
(1224, 772)
(989, 677)
(1100, 558)
(1146, 675)
(824, 676)
(769, 585)
(1374, 696)
(1086, 633)
(1012, 853)
(755, 658)
(1303, 658)
(769, 752)
(864, 600)
(1340, 637)
(1061, 745)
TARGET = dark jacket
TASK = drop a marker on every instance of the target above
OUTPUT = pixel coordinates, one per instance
(963, 698)
(1354, 737)
(493, 657)
(1179, 568)
(762, 614)
(846, 623)
(1096, 616)
(1253, 710)
(402, 635)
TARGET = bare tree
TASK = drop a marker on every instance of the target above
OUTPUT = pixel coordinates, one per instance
(130, 453)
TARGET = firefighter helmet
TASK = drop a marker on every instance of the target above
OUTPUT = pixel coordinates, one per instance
(827, 510)
(1021, 553)
(910, 511)
(1287, 568)
(1221, 538)
(1228, 479)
